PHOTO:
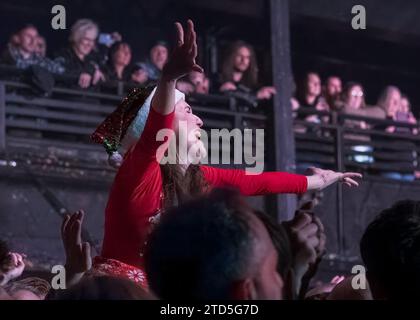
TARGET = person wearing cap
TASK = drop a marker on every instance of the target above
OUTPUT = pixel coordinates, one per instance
(144, 187)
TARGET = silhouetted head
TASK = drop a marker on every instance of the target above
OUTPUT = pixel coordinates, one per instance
(213, 248)
(390, 249)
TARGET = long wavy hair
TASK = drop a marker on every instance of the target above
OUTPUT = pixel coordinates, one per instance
(179, 187)
(250, 76)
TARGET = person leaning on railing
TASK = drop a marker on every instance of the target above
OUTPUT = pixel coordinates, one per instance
(239, 73)
(23, 52)
(354, 104)
(78, 59)
(390, 102)
(309, 97)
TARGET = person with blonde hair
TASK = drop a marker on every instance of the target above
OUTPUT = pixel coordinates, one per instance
(78, 59)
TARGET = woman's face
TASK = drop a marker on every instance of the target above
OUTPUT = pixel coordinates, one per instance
(187, 127)
(86, 43)
(355, 97)
(123, 55)
(393, 104)
(314, 85)
(242, 59)
(159, 56)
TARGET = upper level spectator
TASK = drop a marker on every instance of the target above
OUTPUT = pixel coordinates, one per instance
(240, 71)
(309, 96)
(23, 51)
(309, 91)
(354, 104)
(118, 66)
(389, 101)
(158, 57)
(78, 59)
(404, 114)
(332, 92)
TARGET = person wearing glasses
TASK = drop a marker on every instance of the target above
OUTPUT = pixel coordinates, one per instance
(78, 59)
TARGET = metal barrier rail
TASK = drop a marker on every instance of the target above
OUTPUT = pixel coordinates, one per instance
(53, 132)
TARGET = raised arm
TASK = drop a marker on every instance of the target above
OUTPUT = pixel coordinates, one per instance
(181, 62)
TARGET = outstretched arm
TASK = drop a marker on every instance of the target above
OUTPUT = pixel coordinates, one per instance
(276, 182)
(181, 62)
(320, 179)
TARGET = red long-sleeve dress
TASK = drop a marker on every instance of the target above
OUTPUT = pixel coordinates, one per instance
(136, 194)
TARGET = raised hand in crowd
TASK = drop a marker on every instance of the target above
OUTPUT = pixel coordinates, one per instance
(12, 267)
(307, 241)
(78, 258)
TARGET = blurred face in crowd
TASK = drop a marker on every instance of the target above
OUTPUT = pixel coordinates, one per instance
(404, 105)
(123, 55)
(242, 59)
(314, 85)
(265, 283)
(86, 43)
(393, 103)
(190, 128)
(159, 56)
(28, 39)
(334, 86)
(41, 46)
(355, 97)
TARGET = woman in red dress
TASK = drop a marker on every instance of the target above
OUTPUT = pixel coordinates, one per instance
(143, 187)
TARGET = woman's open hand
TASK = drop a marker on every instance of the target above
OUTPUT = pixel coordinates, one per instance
(182, 59)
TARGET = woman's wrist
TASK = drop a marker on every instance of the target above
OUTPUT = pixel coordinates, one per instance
(315, 182)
